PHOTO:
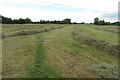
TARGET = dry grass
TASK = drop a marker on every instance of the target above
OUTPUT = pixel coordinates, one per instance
(80, 35)
(18, 54)
(25, 30)
(71, 58)
(0, 58)
(65, 56)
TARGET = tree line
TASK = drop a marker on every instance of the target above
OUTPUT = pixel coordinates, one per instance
(6, 20)
(97, 21)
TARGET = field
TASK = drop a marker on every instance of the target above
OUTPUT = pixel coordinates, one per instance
(59, 51)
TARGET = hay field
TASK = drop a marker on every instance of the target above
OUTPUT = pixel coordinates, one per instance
(59, 51)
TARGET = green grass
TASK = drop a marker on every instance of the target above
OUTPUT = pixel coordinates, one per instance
(65, 53)
(18, 53)
(53, 54)
(0, 58)
(40, 69)
(102, 35)
(10, 29)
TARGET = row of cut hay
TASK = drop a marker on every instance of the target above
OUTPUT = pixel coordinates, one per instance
(96, 43)
(25, 28)
(23, 33)
(115, 31)
(2, 36)
(105, 70)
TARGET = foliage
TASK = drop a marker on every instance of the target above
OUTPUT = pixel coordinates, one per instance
(66, 21)
(96, 21)
(6, 20)
(102, 22)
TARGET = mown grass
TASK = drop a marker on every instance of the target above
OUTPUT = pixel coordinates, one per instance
(18, 54)
(71, 58)
(99, 34)
(0, 51)
(53, 54)
(83, 35)
(9, 29)
(40, 69)
(21, 30)
(111, 29)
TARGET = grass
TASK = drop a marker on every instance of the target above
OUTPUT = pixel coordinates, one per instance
(40, 69)
(53, 54)
(0, 58)
(11, 29)
(111, 29)
(18, 55)
(70, 57)
(102, 35)
(105, 70)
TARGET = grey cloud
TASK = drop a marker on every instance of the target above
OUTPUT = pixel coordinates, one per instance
(111, 16)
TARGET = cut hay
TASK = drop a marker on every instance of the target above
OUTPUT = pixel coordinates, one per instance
(96, 43)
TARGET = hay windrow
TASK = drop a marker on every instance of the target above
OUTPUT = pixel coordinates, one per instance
(101, 45)
(2, 36)
(114, 30)
(105, 70)
(24, 33)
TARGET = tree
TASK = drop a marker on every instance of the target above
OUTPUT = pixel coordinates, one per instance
(82, 23)
(96, 21)
(27, 20)
(67, 21)
(15, 21)
(6, 20)
(101, 22)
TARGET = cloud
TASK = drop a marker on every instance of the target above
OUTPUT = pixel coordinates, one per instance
(111, 16)
(61, 6)
(102, 5)
(77, 10)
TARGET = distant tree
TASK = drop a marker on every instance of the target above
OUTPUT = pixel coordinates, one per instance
(101, 22)
(6, 20)
(107, 23)
(82, 23)
(27, 20)
(47, 21)
(91, 23)
(22, 21)
(74, 23)
(67, 21)
(116, 23)
(96, 21)
(15, 21)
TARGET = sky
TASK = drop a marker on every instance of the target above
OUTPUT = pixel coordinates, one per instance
(76, 10)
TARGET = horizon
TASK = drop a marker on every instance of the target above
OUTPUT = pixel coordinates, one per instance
(51, 10)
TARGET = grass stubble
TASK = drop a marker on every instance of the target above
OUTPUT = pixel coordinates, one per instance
(55, 54)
